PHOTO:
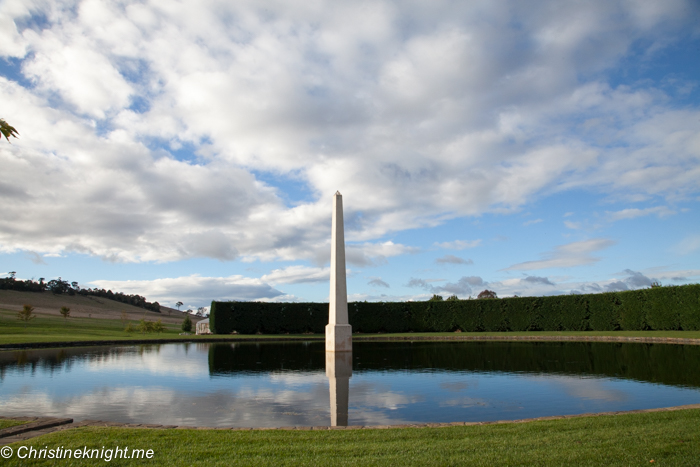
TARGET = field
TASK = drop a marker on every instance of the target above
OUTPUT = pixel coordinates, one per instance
(48, 304)
(90, 318)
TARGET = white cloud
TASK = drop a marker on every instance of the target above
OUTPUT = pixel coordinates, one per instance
(297, 275)
(193, 289)
(459, 244)
(416, 114)
(372, 253)
(631, 213)
(83, 76)
(462, 288)
(452, 259)
(11, 42)
(566, 256)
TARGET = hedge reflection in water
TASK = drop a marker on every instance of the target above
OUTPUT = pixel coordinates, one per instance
(657, 363)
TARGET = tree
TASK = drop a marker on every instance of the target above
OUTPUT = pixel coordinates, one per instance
(452, 298)
(26, 314)
(7, 130)
(178, 305)
(65, 311)
(487, 294)
(158, 326)
(150, 326)
(200, 311)
(187, 324)
(59, 286)
(435, 298)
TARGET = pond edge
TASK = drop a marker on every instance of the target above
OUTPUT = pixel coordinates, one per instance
(65, 425)
(92, 343)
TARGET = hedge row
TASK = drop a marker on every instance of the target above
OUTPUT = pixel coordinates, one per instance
(658, 308)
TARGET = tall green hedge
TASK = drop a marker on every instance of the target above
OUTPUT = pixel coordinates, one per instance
(688, 306)
(632, 313)
(662, 308)
(604, 311)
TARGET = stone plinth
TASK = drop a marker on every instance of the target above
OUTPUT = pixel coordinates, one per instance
(338, 338)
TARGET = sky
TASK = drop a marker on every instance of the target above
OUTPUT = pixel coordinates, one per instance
(189, 150)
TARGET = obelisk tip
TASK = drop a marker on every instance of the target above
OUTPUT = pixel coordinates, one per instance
(338, 193)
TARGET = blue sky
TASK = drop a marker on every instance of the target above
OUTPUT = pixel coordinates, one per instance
(189, 151)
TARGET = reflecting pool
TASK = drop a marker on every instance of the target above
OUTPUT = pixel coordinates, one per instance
(294, 384)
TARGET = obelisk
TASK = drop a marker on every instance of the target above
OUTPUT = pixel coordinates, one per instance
(338, 330)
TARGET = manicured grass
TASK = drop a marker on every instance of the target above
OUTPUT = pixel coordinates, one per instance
(678, 334)
(666, 438)
(46, 328)
(8, 423)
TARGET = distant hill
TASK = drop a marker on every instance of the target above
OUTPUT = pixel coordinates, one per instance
(85, 306)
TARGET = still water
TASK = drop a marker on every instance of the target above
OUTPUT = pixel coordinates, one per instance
(293, 384)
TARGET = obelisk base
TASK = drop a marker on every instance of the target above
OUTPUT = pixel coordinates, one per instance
(338, 338)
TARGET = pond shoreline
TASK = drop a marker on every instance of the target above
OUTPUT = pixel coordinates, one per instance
(92, 343)
(48, 425)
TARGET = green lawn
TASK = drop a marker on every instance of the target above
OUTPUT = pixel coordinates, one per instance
(57, 329)
(8, 423)
(678, 334)
(667, 438)
(45, 328)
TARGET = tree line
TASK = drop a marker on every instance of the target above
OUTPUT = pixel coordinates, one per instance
(60, 287)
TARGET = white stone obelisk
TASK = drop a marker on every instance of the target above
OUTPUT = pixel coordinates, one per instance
(338, 330)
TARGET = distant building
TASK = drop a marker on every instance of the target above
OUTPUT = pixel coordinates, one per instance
(203, 327)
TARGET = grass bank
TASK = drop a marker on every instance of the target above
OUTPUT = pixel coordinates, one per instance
(675, 334)
(4, 423)
(48, 328)
(666, 438)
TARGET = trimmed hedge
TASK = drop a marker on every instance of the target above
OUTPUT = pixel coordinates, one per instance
(658, 308)
(604, 311)
(632, 315)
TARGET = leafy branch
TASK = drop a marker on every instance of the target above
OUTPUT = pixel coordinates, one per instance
(7, 130)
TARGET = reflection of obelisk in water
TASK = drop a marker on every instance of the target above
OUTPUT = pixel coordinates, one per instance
(339, 371)
(338, 330)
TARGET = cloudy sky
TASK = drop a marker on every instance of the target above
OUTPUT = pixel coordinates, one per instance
(189, 150)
